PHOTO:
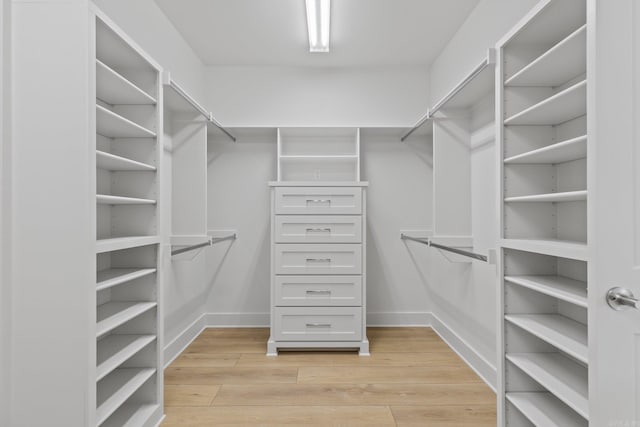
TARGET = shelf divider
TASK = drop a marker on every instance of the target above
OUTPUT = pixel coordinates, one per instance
(552, 247)
(543, 409)
(118, 243)
(106, 199)
(563, 333)
(561, 152)
(117, 276)
(114, 350)
(563, 288)
(559, 108)
(112, 162)
(113, 125)
(567, 196)
(561, 376)
(115, 89)
(114, 314)
(116, 388)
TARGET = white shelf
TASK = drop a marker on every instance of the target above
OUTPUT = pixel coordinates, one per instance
(542, 409)
(113, 125)
(563, 333)
(118, 243)
(567, 196)
(117, 276)
(112, 162)
(563, 62)
(115, 389)
(564, 289)
(131, 415)
(561, 376)
(105, 199)
(559, 108)
(114, 314)
(114, 89)
(114, 350)
(564, 151)
(559, 248)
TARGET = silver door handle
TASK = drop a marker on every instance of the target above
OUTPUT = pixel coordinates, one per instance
(622, 298)
(318, 259)
(318, 230)
(319, 291)
(319, 201)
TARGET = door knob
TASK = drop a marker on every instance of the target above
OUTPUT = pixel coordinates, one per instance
(622, 298)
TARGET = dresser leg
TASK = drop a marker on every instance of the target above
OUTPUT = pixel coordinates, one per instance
(272, 350)
(364, 348)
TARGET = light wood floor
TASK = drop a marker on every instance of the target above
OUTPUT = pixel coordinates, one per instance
(412, 378)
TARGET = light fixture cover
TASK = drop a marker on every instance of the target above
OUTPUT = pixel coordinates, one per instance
(318, 24)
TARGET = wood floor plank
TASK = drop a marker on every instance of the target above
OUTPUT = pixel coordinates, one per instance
(211, 360)
(318, 359)
(274, 416)
(404, 345)
(356, 394)
(208, 376)
(445, 416)
(189, 395)
(387, 375)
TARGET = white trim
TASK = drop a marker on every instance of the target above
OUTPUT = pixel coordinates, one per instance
(183, 340)
(398, 319)
(475, 360)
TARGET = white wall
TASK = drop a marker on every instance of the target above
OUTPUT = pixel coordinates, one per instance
(289, 96)
(5, 227)
(464, 298)
(400, 176)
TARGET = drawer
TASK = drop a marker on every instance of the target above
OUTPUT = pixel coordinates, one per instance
(318, 324)
(318, 229)
(318, 200)
(318, 291)
(318, 258)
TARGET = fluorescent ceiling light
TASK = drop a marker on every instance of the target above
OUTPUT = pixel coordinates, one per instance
(319, 24)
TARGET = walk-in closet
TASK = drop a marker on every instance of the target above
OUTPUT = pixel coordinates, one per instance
(320, 213)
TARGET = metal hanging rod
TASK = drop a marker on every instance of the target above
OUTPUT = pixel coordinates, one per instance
(207, 114)
(428, 242)
(211, 241)
(489, 60)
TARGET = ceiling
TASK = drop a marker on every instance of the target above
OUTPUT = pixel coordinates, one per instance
(274, 32)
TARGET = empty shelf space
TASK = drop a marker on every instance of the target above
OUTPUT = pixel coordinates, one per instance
(116, 388)
(104, 199)
(117, 276)
(559, 108)
(563, 377)
(117, 243)
(542, 409)
(113, 125)
(114, 89)
(564, 289)
(561, 332)
(564, 151)
(114, 314)
(567, 196)
(560, 248)
(131, 415)
(112, 162)
(114, 350)
(563, 62)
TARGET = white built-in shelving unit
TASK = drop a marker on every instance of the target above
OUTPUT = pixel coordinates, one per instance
(543, 145)
(128, 328)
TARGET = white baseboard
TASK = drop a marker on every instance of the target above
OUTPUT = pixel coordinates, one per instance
(475, 360)
(409, 318)
(182, 341)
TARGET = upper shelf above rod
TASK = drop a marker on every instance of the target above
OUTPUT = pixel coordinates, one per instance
(476, 91)
(168, 82)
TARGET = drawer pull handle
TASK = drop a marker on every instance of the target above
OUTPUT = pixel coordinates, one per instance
(318, 325)
(318, 259)
(319, 201)
(319, 292)
(318, 230)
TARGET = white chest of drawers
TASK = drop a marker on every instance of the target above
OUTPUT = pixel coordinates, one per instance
(318, 266)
